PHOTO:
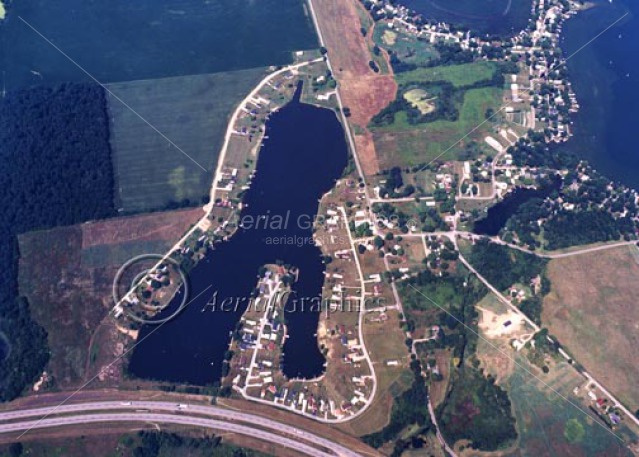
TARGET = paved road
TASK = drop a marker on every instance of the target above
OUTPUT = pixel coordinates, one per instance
(83, 419)
(362, 312)
(345, 123)
(148, 411)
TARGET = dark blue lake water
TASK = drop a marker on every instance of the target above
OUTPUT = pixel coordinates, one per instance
(498, 214)
(124, 40)
(501, 17)
(305, 153)
(4, 348)
(605, 76)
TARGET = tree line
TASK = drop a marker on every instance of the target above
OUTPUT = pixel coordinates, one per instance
(56, 166)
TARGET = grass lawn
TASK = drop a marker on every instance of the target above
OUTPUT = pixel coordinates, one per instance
(458, 75)
(405, 46)
(193, 112)
(404, 144)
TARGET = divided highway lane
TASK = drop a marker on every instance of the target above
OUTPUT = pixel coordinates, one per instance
(164, 418)
(142, 410)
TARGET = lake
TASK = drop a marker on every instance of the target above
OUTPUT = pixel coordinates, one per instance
(4, 348)
(305, 153)
(123, 40)
(500, 17)
(605, 77)
(498, 214)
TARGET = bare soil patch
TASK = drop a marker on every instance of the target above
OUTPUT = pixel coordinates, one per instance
(363, 91)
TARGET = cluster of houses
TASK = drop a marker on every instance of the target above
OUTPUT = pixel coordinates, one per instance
(604, 409)
(259, 351)
(552, 96)
(516, 294)
(154, 279)
(253, 104)
(402, 18)
(227, 179)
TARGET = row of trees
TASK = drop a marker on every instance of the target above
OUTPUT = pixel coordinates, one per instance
(56, 167)
(154, 444)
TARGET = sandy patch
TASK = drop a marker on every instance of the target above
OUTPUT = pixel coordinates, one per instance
(500, 325)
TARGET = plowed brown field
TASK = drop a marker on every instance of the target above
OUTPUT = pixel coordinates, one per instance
(363, 91)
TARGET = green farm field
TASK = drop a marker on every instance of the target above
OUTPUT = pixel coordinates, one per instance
(458, 75)
(404, 144)
(193, 112)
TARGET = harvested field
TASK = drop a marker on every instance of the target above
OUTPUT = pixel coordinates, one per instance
(155, 226)
(592, 310)
(363, 91)
(67, 273)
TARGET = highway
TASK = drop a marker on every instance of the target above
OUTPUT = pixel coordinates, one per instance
(164, 418)
(169, 412)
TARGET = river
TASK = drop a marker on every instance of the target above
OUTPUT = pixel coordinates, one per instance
(304, 154)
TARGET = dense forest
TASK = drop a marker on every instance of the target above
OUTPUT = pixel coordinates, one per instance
(503, 266)
(477, 410)
(56, 170)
